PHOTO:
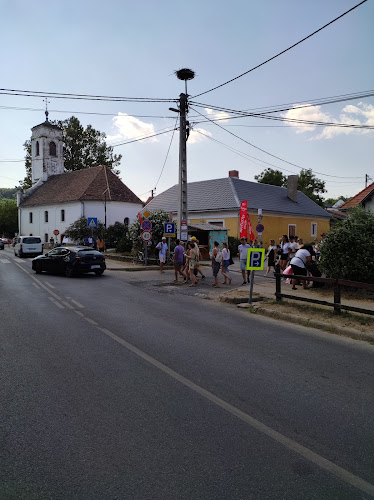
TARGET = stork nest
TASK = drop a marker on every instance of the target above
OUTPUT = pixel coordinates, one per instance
(185, 74)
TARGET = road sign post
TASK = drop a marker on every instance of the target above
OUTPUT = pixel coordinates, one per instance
(255, 262)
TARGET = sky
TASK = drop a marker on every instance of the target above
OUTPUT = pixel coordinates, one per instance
(132, 49)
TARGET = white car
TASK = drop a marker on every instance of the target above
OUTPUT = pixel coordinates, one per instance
(28, 245)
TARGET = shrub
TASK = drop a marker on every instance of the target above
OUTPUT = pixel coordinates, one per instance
(349, 248)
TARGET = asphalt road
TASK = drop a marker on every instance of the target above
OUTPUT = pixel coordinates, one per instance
(118, 387)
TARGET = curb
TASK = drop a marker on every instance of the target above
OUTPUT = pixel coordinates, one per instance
(293, 318)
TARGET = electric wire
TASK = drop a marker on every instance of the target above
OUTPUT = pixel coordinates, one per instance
(167, 154)
(283, 51)
(141, 138)
(272, 155)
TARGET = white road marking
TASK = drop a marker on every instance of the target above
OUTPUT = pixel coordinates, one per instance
(5, 261)
(76, 303)
(50, 285)
(36, 286)
(67, 304)
(56, 303)
(322, 462)
(90, 320)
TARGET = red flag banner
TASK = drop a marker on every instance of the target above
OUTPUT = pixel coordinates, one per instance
(243, 219)
(140, 218)
(251, 233)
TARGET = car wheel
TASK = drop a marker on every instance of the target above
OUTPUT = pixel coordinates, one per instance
(38, 269)
(69, 271)
(99, 272)
(20, 254)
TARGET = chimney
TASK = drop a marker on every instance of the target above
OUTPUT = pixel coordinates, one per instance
(292, 187)
(234, 173)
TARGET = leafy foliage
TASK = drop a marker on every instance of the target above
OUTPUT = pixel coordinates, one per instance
(8, 217)
(117, 236)
(349, 248)
(79, 230)
(83, 148)
(233, 246)
(8, 193)
(273, 177)
(158, 218)
(332, 201)
(307, 182)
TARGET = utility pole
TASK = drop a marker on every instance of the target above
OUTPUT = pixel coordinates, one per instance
(183, 74)
(182, 198)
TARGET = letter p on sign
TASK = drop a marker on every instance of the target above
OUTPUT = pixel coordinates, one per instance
(255, 259)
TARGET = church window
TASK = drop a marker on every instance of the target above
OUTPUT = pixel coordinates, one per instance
(46, 216)
(37, 153)
(52, 149)
(62, 215)
(30, 217)
(126, 221)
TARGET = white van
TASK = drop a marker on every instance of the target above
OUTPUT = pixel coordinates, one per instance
(28, 245)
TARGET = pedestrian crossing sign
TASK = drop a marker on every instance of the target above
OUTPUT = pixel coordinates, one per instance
(92, 221)
(255, 259)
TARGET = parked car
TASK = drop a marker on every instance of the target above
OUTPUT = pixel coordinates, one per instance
(1, 245)
(28, 245)
(70, 261)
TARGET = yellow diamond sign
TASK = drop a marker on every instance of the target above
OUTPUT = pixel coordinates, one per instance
(146, 214)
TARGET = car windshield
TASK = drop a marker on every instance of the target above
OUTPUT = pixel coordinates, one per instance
(83, 253)
(31, 240)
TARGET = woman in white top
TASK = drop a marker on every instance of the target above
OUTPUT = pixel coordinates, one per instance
(286, 250)
(225, 263)
(271, 255)
(298, 264)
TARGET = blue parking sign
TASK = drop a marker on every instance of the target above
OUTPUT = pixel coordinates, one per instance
(255, 259)
(169, 229)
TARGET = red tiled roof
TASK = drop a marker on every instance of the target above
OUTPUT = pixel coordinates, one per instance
(356, 200)
(85, 184)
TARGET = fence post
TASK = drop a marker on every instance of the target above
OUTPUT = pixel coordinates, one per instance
(337, 295)
(278, 287)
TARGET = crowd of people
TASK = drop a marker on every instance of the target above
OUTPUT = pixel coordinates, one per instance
(289, 256)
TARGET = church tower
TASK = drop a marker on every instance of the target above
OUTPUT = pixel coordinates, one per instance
(46, 151)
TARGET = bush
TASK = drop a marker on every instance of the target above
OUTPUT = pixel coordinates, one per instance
(233, 246)
(349, 248)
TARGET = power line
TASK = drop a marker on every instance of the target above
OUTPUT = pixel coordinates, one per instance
(167, 154)
(283, 51)
(142, 138)
(274, 156)
(65, 95)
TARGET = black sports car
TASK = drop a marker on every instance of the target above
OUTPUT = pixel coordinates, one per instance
(70, 261)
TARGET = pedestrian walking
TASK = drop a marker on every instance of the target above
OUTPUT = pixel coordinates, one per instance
(216, 262)
(198, 269)
(286, 250)
(225, 263)
(192, 258)
(243, 254)
(178, 261)
(163, 251)
(271, 256)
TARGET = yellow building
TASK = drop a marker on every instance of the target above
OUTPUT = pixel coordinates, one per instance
(217, 202)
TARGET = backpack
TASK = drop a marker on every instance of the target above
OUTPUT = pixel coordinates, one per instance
(219, 257)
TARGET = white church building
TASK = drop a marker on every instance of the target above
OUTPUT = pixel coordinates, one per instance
(57, 198)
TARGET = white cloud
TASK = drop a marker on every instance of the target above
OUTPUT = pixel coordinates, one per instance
(197, 135)
(362, 114)
(129, 127)
(221, 115)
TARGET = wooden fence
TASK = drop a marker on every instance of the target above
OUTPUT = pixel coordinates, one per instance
(336, 282)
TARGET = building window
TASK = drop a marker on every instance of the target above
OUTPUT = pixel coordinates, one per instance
(46, 216)
(126, 221)
(314, 229)
(52, 149)
(30, 217)
(219, 222)
(62, 215)
(291, 230)
(37, 153)
(45, 237)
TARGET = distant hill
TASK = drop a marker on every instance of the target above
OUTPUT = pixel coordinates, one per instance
(9, 193)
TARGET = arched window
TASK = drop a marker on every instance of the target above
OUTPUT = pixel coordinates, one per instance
(126, 221)
(37, 149)
(52, 149)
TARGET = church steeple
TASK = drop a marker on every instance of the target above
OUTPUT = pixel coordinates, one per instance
(46, 150)
(46, 108)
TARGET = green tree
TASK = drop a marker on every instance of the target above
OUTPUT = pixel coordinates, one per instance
(273, 177)
(332, 201)
(158, 218)
(8, 217)
(79, 230)
(83, 148)
(307, 182)
(349, 248)
(9, 193)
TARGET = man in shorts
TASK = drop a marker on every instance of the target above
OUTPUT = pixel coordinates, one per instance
(243, 253)
(178, 260)
(162, 247)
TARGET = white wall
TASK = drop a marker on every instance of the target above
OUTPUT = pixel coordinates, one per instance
(116, 212)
